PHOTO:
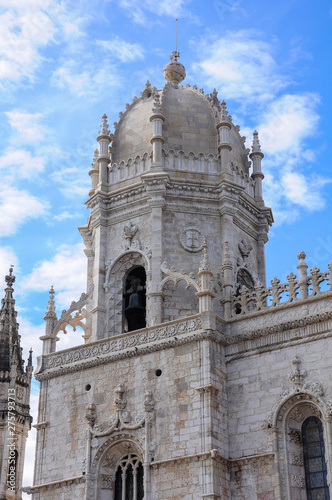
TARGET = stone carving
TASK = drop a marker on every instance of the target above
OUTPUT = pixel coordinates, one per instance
(191, 239)
(295, 436)
(66, 316)
(122, 419)
(106, 350)
(315, 388)
(106, 481)
(291, 291)
(298, 481)
(296, 458)
(129, 232)
(297, 376)
(297, 415)
(245, 249)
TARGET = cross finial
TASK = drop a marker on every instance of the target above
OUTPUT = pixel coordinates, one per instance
(175, 55)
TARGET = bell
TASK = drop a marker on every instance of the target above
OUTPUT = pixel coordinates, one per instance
(135, 312)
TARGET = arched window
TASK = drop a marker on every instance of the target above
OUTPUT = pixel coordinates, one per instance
(134, 299)
(314, 459)
(129, 479)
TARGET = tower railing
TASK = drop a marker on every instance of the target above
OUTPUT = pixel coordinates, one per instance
(295, 289)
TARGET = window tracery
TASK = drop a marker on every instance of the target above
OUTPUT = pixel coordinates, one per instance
(129, 484)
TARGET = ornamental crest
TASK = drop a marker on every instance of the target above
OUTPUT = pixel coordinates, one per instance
(191, 239)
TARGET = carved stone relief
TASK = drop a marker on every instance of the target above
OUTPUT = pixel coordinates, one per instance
(191, 239)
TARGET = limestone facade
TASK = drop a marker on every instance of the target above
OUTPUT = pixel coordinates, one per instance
(208, 397)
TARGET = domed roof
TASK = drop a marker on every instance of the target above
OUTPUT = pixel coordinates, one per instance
(190, 121)
(189, 124)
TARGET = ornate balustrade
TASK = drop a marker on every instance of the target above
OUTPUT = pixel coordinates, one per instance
(295, 289)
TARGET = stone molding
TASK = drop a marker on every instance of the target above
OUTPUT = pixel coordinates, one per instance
(122, 346)
(54, 484)
(279, 336)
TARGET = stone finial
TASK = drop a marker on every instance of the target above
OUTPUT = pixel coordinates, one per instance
(174, 71)
(223, 111)
(94, 163)
(256, 147)
(30, 357)
(50, 310)
(157, 104)
(10, 278)
(104, 126)
(205, 266)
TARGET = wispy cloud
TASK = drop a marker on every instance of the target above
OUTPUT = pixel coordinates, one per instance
(90, 82)
(23, 31)
(137, 9)
(122, 50)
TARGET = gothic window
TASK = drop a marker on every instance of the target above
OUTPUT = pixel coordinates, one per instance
(314, 459)
(134, 299)
(129, 479)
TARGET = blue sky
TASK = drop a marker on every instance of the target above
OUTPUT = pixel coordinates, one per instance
(63, 64)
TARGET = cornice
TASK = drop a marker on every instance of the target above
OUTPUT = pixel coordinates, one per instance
(278, 336)
(127, 345)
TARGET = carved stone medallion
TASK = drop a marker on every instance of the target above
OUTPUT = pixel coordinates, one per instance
(191, 239)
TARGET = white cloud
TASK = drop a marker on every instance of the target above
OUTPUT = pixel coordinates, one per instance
(18, 163)
(285, 128)
(241, 66)
(288, 121)
(122, 50)
(27, 126)
(16, 207)
(66, 272)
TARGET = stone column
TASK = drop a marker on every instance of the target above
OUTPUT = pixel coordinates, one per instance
(94, 173)
(156, 191)
(224, 147)
(227, 268)
(104, 140)
(256, 156)
(157, 139)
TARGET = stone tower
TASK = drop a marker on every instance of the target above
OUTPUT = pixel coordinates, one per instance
(182, 390)
(15, 382)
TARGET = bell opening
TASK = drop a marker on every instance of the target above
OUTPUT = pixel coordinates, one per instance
(134, 300)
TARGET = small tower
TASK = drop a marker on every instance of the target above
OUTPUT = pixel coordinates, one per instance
(15, 383)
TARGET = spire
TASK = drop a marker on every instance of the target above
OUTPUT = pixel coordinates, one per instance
(104, 126)
(50, 311)
(10, 350)
(256, 156)
(256, 147)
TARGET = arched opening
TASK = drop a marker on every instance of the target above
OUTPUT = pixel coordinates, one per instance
(134, 299)
(243, 279)
(314, 459)
(129, 479)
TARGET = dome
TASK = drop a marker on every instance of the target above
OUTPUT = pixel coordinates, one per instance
(189, 124)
